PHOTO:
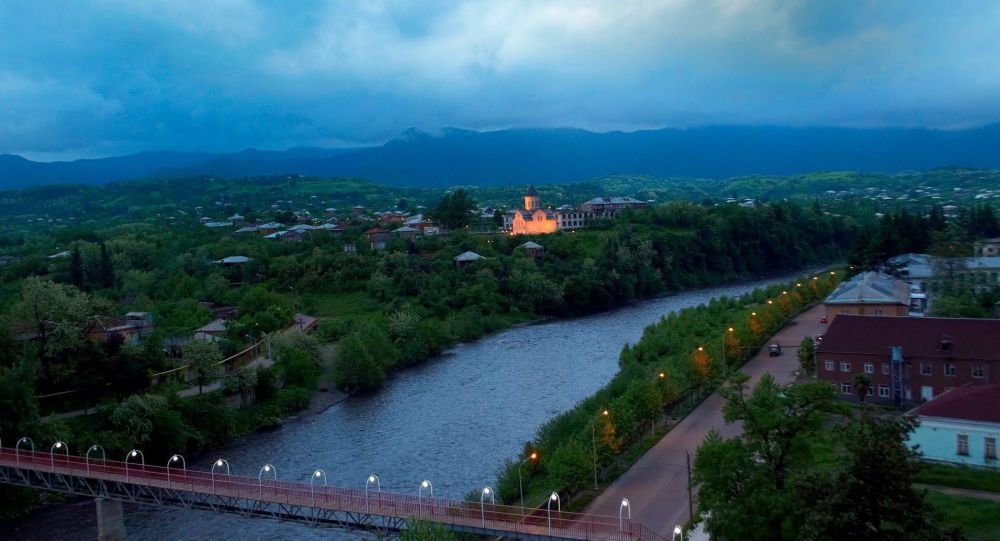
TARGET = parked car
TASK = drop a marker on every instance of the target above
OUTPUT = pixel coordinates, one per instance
(818, 339)
(774, 350)
(824, 320)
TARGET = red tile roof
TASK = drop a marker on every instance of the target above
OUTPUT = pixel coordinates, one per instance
(918, 336)
(970, 403)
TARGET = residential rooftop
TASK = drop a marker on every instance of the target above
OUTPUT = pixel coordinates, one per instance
(924, 337)
(871, 288)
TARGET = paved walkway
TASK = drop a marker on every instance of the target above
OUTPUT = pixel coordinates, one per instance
(963, 492)
(656, 485)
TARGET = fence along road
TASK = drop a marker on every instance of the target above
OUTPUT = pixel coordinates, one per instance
(311, 503)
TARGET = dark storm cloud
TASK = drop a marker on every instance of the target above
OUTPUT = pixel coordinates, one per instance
(100, 77)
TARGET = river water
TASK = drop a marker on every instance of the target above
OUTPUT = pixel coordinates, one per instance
(452, 420)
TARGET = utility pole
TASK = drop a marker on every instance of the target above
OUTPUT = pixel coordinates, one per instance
(690, 498)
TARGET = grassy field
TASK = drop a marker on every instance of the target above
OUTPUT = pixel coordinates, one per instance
(960, 477)
(979, 519)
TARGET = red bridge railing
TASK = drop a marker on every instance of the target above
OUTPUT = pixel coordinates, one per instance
(503, 518)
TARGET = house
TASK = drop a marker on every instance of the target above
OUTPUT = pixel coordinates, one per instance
(988, 247)
(245, 230)
(212, 331)
(270, 227)
(610, 207)
(392, 217)
(908, 359)
(869, 293)
(378, 238)
(407, 232)
(133, 329)
(961, 426)
(533, 248)
(301, 229)
(532, 219)
(237, 219)
(60, 255)
(358, 211)
(466, 258)
(218, 224)
(350, 248)
(333, 229)
(234, 260)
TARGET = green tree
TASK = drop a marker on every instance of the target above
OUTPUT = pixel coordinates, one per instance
(454, 211)
(807, 356)
(419, 530)
(107, 268)
(872, 497)
(203, 357)
(355, 370)
(76, 268)
(862, 384)
(133, 418)
(57, 314)
(747, 481)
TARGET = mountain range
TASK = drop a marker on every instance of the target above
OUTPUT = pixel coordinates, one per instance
(463, 157)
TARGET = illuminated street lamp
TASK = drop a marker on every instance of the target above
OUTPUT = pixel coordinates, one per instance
(133, 454)
(173, 462)
(678, 534)
(624, 509)
(312, 491)
(593, 434)
(725, 363)
(420, 492)
(86, 458)
(553, 498)
(267, 468)
(482, 505)
(17, 448)
(58, 445)
(378, 486)
(218, 464)
(520, 484)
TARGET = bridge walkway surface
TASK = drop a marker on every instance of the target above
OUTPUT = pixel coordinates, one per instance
(311, 503)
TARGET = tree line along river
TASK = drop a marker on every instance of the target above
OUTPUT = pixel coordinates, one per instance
(452, 420)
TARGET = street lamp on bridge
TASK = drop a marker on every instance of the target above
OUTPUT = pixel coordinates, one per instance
(173, 462)
(133, 454)
(593, 434)
(218, 464)
(316, 475)
(267, 468)
(622, 509)
(678, 534)
(520, 485)
(548, 506)
(420, 492)
(378, 486)
(52, 450)
(86, 458)
(17, 448)
(482, 506)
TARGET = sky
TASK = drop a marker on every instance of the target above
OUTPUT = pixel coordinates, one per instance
(106, 77)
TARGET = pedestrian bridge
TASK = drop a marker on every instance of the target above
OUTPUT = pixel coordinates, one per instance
(312, 503)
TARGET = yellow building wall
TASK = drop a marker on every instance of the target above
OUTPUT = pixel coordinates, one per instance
(833, 310)
(533, 227)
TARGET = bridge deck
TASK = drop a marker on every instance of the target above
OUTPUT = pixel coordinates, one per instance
(316, 504)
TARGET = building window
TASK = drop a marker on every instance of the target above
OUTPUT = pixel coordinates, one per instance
(978, 371)
(949, 369)
(845, 366)
(925, 369)
(869, 391)
(990, 448)
(846, 388)
(829, 366)
(883, 391)
(885, 368)
(869, 368)
(962, 444)
(878, 311)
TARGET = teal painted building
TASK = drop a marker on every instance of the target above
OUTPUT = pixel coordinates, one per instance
(961, 426)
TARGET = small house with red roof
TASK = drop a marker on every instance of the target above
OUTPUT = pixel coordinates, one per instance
(961, 426)
(378, 238)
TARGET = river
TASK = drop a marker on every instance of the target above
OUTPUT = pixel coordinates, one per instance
(452, 420)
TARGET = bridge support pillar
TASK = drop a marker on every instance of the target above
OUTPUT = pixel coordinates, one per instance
(110, 520)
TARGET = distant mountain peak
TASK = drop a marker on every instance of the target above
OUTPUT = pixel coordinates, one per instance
(411, 134)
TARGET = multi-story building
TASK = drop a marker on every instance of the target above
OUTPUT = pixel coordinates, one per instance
(961, 426)
(908, 359)
(870, 294)
(532, 219)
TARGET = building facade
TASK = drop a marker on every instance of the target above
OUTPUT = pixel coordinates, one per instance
(961, 426)
(870, 294)
(908, 359)
(533, 219)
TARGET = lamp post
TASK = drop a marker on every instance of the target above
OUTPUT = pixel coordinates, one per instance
(266, 468)
(678, 534)
(312, 491)
(133, 454)
(420, 492)
(378, 486)
(482, 505)
(553, 498)
(86, 457)
(52, 451)
(593, 435)
(622, 510)
(725, 362)
(17, 448)
(218, 464)
(520, 485)
(172, 462)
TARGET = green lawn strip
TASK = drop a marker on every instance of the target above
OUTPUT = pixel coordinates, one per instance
(980, 519)
(959, 477)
